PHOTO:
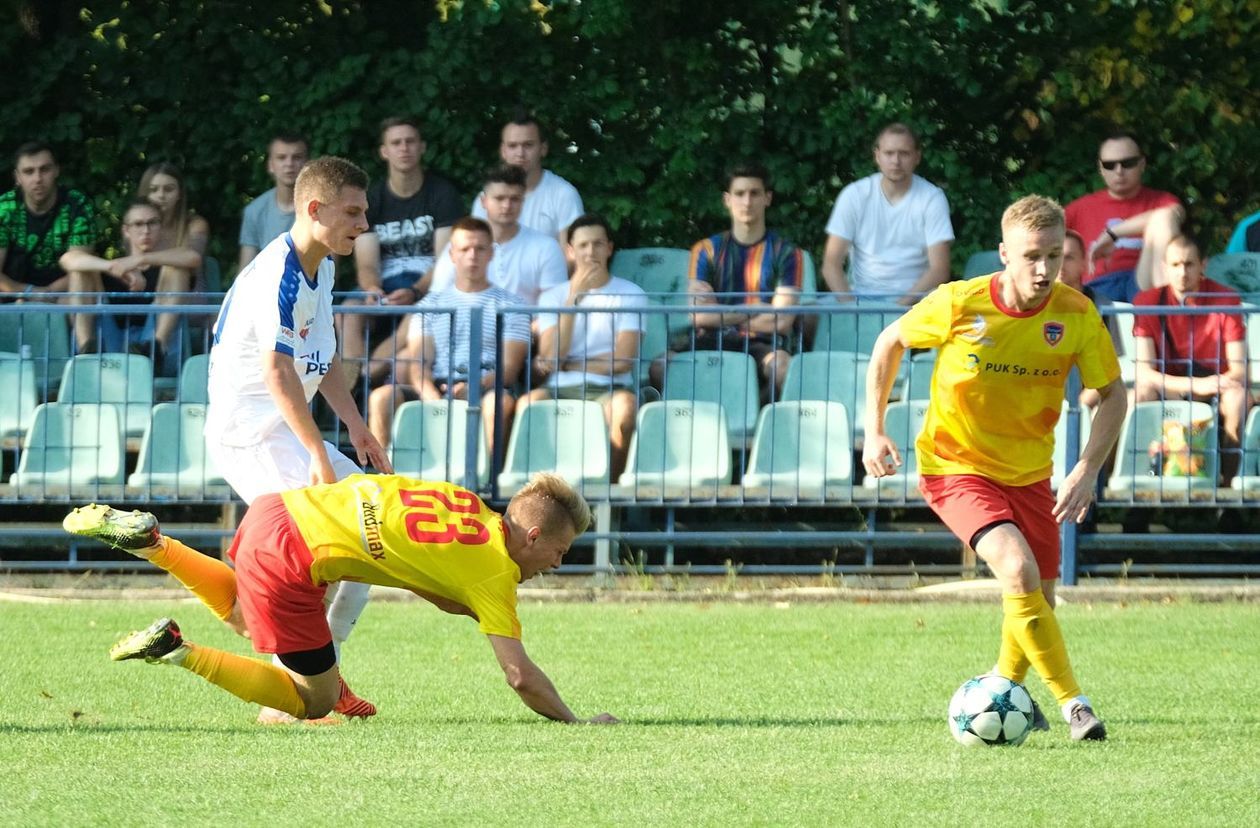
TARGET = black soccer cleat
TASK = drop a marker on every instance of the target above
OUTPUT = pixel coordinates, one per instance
(153, 644)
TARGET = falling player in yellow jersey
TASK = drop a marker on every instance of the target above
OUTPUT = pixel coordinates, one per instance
(1006, 343)
(435, 539)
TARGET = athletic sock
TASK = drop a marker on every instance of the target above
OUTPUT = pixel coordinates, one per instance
(1032, 626)
(246, 678)
(345, 610)
(208, 578)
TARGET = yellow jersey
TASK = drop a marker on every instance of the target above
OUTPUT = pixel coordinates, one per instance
(998, 384)
(414, 534)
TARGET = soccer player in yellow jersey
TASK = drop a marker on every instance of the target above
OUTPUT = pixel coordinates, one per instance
(1006, 343)
(435, 539)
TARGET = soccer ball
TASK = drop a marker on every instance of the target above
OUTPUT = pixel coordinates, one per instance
(990, 710)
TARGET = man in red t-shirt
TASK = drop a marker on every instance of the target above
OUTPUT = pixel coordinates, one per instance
(1127, 225)
(1194, 357)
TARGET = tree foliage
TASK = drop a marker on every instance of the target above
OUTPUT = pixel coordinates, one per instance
(649, 102)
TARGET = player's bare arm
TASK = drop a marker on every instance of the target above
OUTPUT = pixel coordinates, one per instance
(286, 390)
(532, 684)
(880, 455)
(333, 388)
(446, 604)
(1077, 492)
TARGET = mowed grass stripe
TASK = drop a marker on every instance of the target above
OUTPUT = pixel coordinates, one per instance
(804, 714)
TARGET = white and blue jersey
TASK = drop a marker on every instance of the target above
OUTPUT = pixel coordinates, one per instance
(272, 306)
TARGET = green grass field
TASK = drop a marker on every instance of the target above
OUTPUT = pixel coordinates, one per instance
(773, 714)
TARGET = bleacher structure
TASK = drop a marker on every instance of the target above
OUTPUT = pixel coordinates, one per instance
(717, 461)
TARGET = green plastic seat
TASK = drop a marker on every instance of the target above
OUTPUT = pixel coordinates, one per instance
(1124, 322)
(728, 378)
(568, 437)
(1248, 479)
(429, 441)
(679, 445)
(903, 421)
(124, 380)
(831, 376)
(982, 264)
(19, 397)
(194, 380)
(854, 332)
(915, 376)
(1144, 425)
(72, 446)
(173, 451)
(39, 336)
(801, 448)
(1240, 271)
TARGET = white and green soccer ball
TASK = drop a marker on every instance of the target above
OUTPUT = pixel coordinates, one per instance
(990, 710)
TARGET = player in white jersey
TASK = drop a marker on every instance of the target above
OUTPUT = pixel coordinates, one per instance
(274, 347)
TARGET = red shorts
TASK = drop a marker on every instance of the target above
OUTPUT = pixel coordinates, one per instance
(283, 609)
(967, 503)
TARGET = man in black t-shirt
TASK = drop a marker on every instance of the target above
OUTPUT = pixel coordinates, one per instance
(410, 214)
(40, 221)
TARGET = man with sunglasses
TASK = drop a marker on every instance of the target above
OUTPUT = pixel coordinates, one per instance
(1127, 225)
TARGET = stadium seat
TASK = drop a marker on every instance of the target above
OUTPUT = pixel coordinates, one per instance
(1061, 467)
(809, 278)
(569, 437)
(1240, 271)
(1133, 476)
(728, 378)
(18, 396)
(658, 270)
(39, 336)
(800, 448)
(173, 451)
(72, 445)
(1248, 479)
(840, 330)
(902, 423)
(430, 441)
(982, 264)
(1128, 362)
(125, 380)
(194, 380)
(831, 376)
(679, 444)
(916, 376)
(1252, 321)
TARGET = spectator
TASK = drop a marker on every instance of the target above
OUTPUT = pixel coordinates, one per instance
(1071, 274)
(526, 262)
(184, 233)
(39, 222)
(271, 214)
(438, 353)
(410, 214)
(593, 355)
(1126, 225)
(551, 203)
(752, 269)
(142, 269)
(892, 226)
(1200, 357)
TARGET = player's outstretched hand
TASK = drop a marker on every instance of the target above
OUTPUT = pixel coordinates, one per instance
(880, 457)
(602, 718)
(370, 450)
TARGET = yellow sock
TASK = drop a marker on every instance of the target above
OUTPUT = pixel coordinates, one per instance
(208, 578)
(1012, 662)
(246, 678)
(1031, 624)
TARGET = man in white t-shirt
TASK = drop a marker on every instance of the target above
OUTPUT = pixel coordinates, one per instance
(526, 262)
(593, 355)
(274, 348)
(271, 214)
(551, 203)
(893, 227)
(439, 365)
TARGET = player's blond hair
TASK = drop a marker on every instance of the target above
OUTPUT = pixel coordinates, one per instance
(1033, 212)
(548, 501)
(322, 179)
